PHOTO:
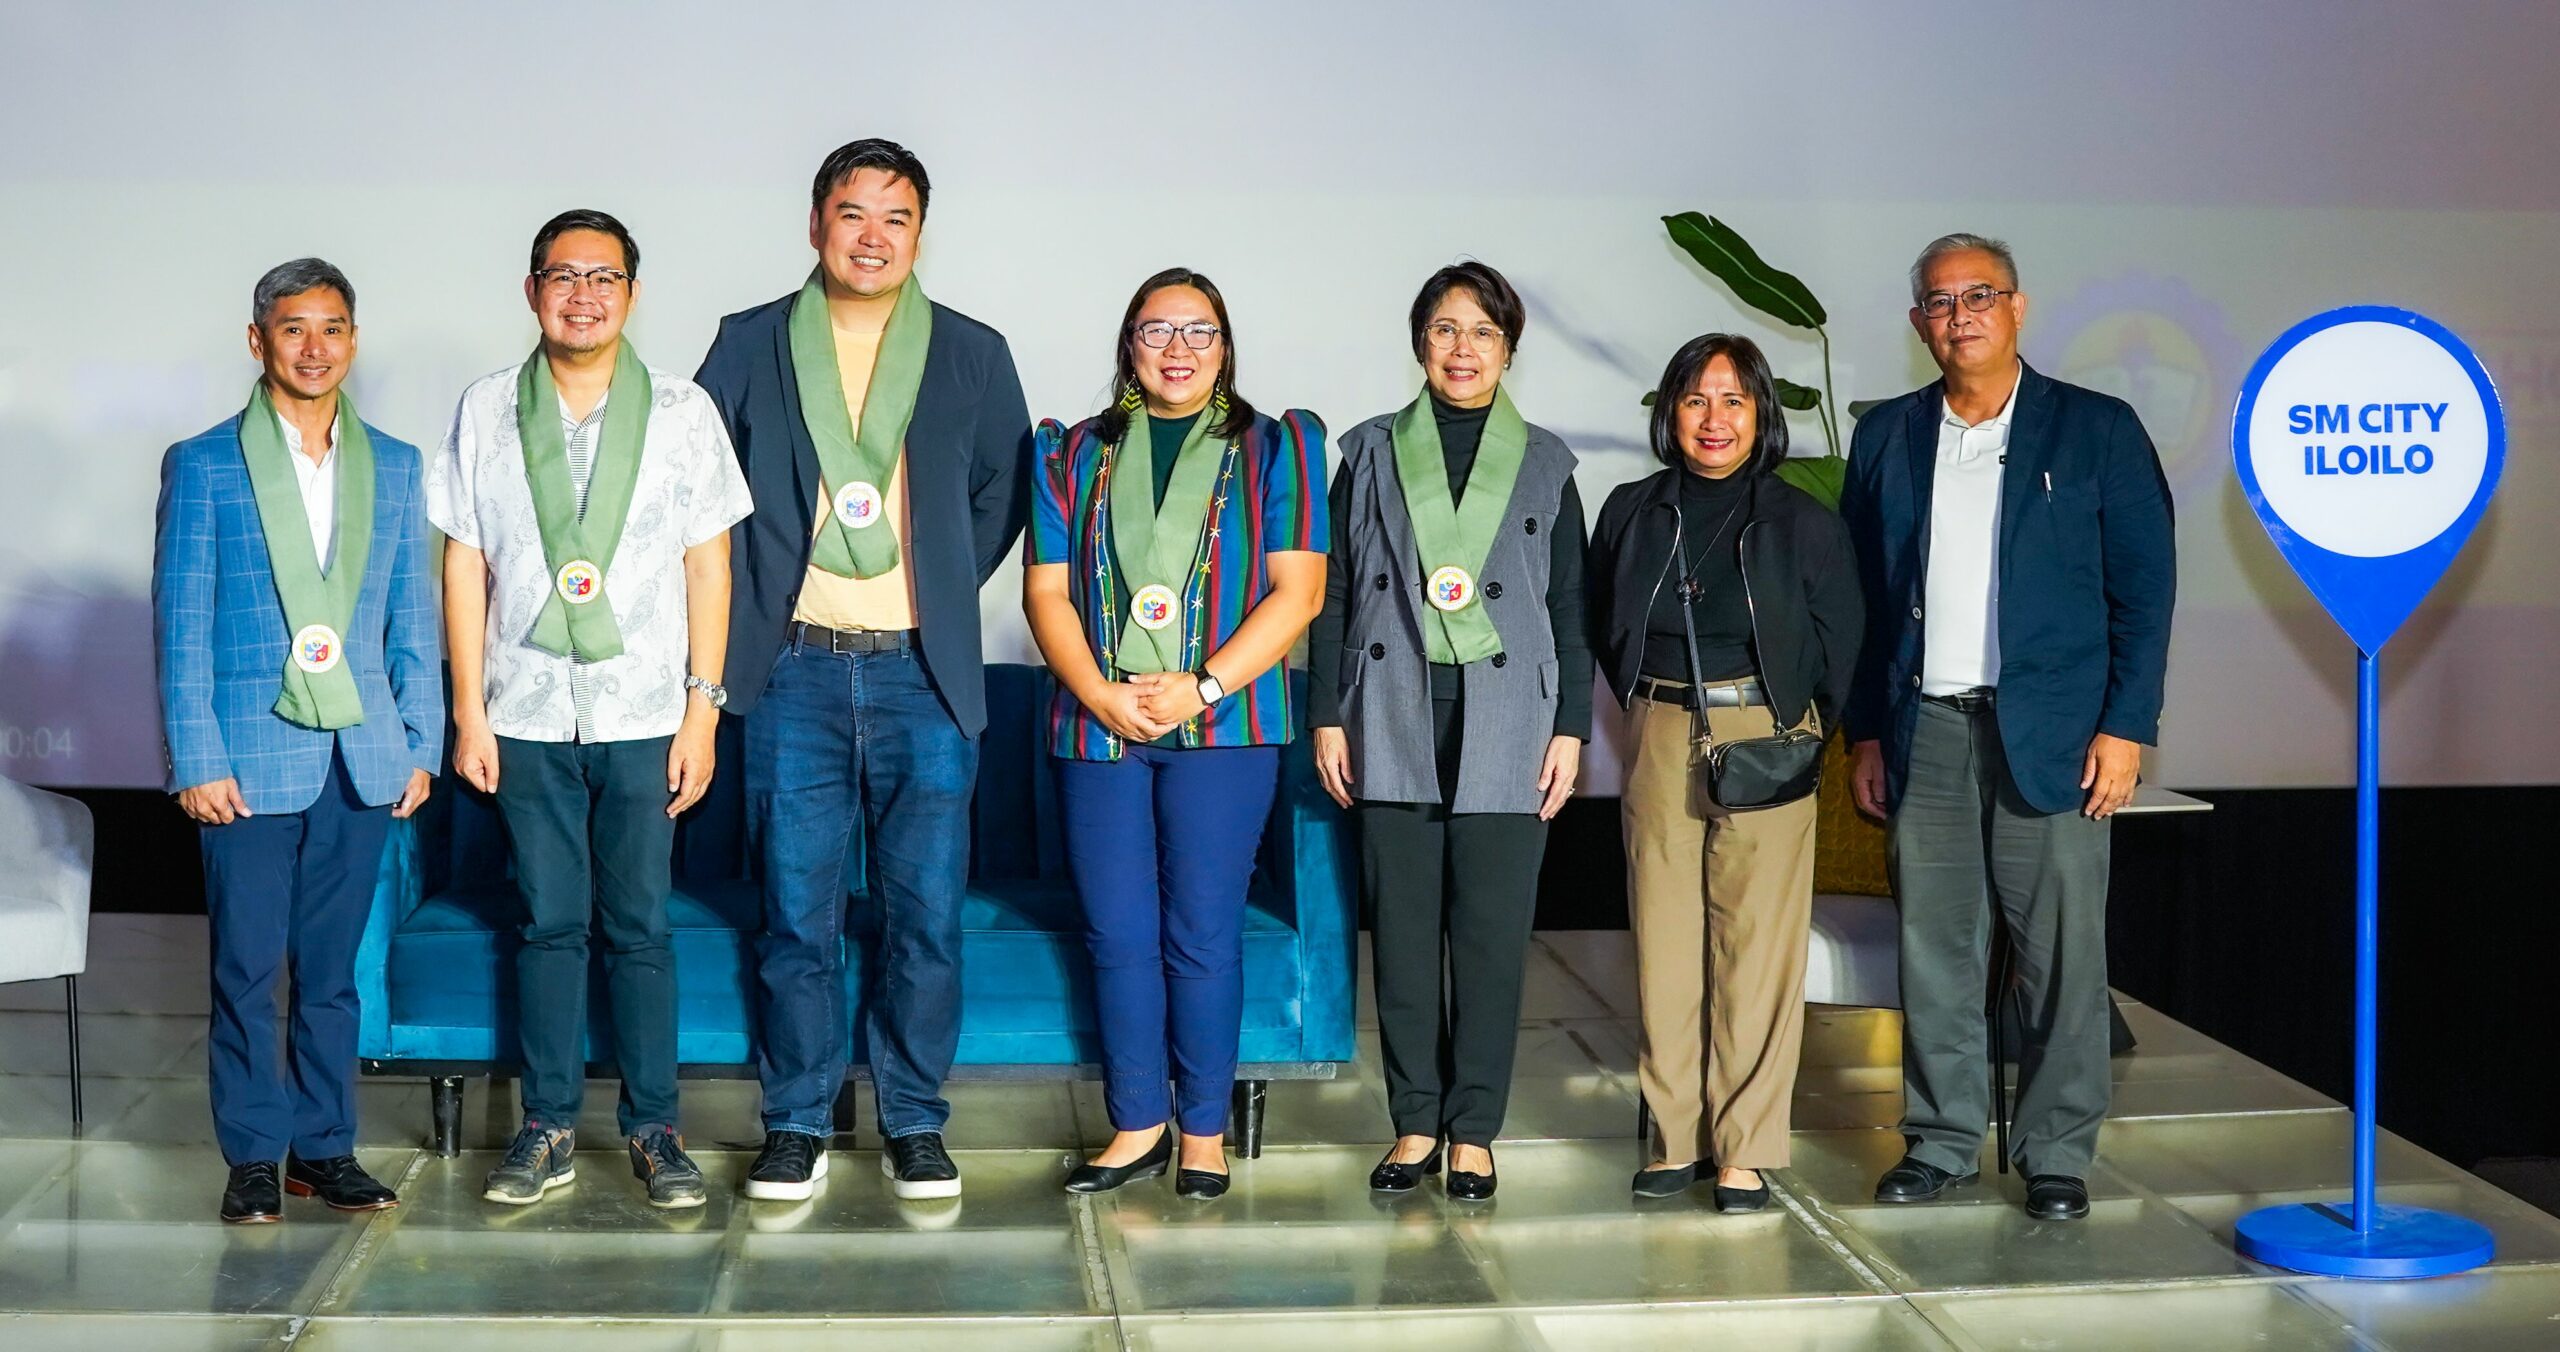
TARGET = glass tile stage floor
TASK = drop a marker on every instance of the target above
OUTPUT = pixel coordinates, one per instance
(110, 1242)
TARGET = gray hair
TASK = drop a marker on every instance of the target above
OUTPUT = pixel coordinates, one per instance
(1962, 242)
(294, 278)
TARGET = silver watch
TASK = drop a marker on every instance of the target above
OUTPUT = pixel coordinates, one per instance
(1210, 690)
(713, 691)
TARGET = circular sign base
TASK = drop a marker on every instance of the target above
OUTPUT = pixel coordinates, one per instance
(2405, 1242)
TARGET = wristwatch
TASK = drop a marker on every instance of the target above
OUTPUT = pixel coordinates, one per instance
(1210, 691)
(713, 691)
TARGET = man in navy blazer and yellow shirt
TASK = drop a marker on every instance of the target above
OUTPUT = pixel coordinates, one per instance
(887, 444)
(303, 706)
(2015, 544)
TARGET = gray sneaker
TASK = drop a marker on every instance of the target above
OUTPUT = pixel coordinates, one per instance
(658, 1159)
(537, 1161)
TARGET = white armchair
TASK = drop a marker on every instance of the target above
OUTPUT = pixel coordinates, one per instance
(48, 844)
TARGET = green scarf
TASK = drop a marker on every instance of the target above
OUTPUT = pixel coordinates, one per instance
(1160, 551)
(857, 462)
(578, 545)
(1453, 537)
(319, 691)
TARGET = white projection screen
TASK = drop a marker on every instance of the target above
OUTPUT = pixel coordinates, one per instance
(2182, 180)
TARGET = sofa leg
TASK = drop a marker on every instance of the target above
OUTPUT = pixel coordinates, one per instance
(71, 1008)
(1250, 1096)
(444, 1095)
(847, 1115)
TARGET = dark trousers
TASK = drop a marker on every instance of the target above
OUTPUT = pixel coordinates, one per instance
(593, 844)
(1161, 844)
(1453, 896)
(838, 738)
(293, 889)
(1963, 842)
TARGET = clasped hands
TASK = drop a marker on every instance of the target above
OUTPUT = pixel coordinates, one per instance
(1148, 704)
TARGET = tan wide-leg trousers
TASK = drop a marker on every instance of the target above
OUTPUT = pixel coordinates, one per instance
(1720, 903)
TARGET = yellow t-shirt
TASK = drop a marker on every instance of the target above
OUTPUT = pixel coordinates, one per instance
(889, 600)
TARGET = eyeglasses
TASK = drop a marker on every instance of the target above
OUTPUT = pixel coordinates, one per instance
(1443, 335)
(1158, 334)
(562, 281)
(1940, 304)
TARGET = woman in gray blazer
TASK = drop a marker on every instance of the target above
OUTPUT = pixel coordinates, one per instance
(1450, 695)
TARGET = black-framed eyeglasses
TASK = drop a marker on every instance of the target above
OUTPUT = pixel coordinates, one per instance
(1443, 335)
(1940, 304)
(562, 281)
(1158, 334)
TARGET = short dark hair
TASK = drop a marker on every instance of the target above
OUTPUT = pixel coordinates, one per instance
(584, 219)
(871, 152)
(294, 278)
(1490, 288)
(1114, 423)
(1768, 418)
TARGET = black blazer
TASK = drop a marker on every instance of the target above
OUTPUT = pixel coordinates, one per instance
(1795, 559)
(2088, 574)
(968, 489)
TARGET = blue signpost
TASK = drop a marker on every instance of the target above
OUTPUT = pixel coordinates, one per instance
(2368, 440)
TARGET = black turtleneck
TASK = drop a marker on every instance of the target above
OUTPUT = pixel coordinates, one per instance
(1712, 512)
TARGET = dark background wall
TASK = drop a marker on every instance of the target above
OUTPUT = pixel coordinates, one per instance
(2237, 922)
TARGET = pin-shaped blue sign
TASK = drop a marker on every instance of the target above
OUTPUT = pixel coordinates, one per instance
(2368, 440)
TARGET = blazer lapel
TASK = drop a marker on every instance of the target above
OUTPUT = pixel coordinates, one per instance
(925, 469)
(804, 452)
(2030, 455)
(1920, 454)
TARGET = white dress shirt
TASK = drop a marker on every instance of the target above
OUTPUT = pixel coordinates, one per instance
(1960, 640)
(318, 481)
(689, 491)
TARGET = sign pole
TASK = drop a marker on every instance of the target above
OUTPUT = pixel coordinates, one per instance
(2368, 928)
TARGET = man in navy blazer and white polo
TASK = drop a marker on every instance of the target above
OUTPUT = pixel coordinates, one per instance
(2015, 544)
(303, 709)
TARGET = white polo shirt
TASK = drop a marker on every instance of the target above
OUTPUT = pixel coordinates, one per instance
(1960, 638)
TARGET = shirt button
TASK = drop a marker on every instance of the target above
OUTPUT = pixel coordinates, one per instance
(1530, 525)
(1501, 659)
(1493, 591)
(1915, 612)
(1377, 651)
(1915, 682)
(1382, 582)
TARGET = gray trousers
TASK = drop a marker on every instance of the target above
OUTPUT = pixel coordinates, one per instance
(1964, 841)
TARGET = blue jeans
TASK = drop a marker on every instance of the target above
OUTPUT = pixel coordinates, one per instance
(836, 739)
(1161, 844)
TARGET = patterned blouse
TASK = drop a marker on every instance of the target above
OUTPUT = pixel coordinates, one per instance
(1268, 497)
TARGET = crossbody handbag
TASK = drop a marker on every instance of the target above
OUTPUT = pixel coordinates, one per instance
(1752, 772)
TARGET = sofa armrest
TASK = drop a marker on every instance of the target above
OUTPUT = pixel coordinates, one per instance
(397, 890)
(1316, 880)
(48, 849)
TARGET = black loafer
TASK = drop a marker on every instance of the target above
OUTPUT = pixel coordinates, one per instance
(1390, 1176)
(339, 1182)
(2057, 1197)
(251, 1196)
(1665, 1182)
(1918, 1181)
(1466, 1187)
(1742, 1199)
(1091, 1178)
(1199, 1185)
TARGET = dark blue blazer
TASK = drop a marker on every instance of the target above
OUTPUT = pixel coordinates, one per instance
(2088, 573)
(968, 492)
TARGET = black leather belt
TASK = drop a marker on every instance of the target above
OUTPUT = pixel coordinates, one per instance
(801, 633)
(1972, 701)
(1736, 695)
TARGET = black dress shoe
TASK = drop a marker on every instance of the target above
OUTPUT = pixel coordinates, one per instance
(1742, 1199)
(2057, 1197)
(251, 1196)
(1918, 1181)
(1666, 1182)
(1200, 1185)
(1466, 1187)
(339, 1182)
(1390, 1176)
(1105, 1177)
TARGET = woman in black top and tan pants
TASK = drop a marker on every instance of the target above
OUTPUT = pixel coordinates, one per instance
(1720, 900)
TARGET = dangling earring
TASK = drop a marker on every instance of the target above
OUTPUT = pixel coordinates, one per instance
(1132, 399)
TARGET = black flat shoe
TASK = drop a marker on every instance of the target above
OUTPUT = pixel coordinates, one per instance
(1466, 1187)
(1665, 1182)
(1742, 1199)
(1091, 1178)
(2057, 1197)
(1390, 1176)
(1918, 1181)
(339, 1182)
(1200, 1185)
(251, 1196)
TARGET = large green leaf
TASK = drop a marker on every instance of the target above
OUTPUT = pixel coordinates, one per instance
(1823, 476)
(1858, 407)
(1726, 254)
(1801, 398)
(1648, 399)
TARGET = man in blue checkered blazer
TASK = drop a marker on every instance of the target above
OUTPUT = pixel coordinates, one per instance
(293, 814)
